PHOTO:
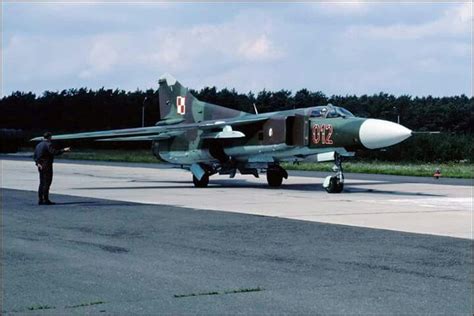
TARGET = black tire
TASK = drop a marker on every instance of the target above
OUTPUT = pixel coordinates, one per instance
(201, 183)
(274, 177)
(335, 186)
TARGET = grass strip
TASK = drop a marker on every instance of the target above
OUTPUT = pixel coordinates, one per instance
(448, 170)
(142, 156)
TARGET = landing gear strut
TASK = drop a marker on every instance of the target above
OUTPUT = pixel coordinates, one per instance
(275, 175)
(335, 184)
(201, 183)
(201, 175)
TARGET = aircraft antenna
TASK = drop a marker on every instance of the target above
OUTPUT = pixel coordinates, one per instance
(255, 108)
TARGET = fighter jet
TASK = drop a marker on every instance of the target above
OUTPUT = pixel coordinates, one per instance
(209, 139)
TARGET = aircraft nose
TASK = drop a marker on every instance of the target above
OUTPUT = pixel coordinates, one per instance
(375, 133)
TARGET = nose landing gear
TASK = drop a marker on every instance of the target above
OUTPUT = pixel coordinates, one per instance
(335, 184)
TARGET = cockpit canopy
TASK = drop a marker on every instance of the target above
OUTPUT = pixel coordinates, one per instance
(329, 111)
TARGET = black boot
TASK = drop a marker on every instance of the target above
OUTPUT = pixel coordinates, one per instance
(47, 201)
(40, 197)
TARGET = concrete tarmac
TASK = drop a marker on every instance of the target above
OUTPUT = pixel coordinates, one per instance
(96, 256)
(409, 204)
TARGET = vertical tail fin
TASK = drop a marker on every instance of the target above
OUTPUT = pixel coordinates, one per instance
(177, 104)
(174, 99)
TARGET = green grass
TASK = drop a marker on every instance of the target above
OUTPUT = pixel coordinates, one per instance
(449, 170)
(118, 155)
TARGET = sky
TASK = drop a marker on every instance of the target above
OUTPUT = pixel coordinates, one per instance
(341, 48)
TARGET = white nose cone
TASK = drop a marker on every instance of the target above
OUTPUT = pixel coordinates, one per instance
(379, 133)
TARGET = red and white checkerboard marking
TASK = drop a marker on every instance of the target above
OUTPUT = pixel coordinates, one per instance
(181, 105)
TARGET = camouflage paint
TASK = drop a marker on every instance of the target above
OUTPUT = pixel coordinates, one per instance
(188, 128)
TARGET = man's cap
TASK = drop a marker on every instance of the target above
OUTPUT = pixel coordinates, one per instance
(47, 135)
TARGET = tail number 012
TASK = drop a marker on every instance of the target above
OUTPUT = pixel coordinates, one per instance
(321, 134)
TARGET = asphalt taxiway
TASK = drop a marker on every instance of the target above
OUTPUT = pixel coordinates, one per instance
(88, 255)
(153, 244)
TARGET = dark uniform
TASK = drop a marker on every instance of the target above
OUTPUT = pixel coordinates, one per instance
(44, 157)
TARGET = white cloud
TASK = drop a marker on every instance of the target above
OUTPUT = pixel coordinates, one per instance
(455, 21)
(335, 7)
(271, 46)
(41, 57)
(175, 49)
(260, 48)
(429, 64)
(178, 49)
(355, 81)
(102, 57)
(170, 49)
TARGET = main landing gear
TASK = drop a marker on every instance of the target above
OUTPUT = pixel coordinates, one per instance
(201, 174)
(201, 183)
(275, 175)
(335, 184)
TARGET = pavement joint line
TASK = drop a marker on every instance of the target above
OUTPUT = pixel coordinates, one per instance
(237, 291)
(39, 307)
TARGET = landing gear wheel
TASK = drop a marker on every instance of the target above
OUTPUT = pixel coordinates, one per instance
(335, 186)
(274, 177)
(201, 183)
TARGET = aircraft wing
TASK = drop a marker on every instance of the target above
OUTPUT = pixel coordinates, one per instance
(129, 132)
(156, 132)
(161, 136)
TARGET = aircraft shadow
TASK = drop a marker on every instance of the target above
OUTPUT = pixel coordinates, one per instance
(224, 184)
(391, 192)
(227, 181)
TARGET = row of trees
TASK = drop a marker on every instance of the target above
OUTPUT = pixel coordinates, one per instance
(85, 109)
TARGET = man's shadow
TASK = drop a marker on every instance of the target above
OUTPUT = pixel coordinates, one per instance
(90, 203)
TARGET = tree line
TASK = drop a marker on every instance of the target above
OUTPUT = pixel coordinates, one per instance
(83, 109)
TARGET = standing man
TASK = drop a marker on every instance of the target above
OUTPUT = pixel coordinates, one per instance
(44, 158)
